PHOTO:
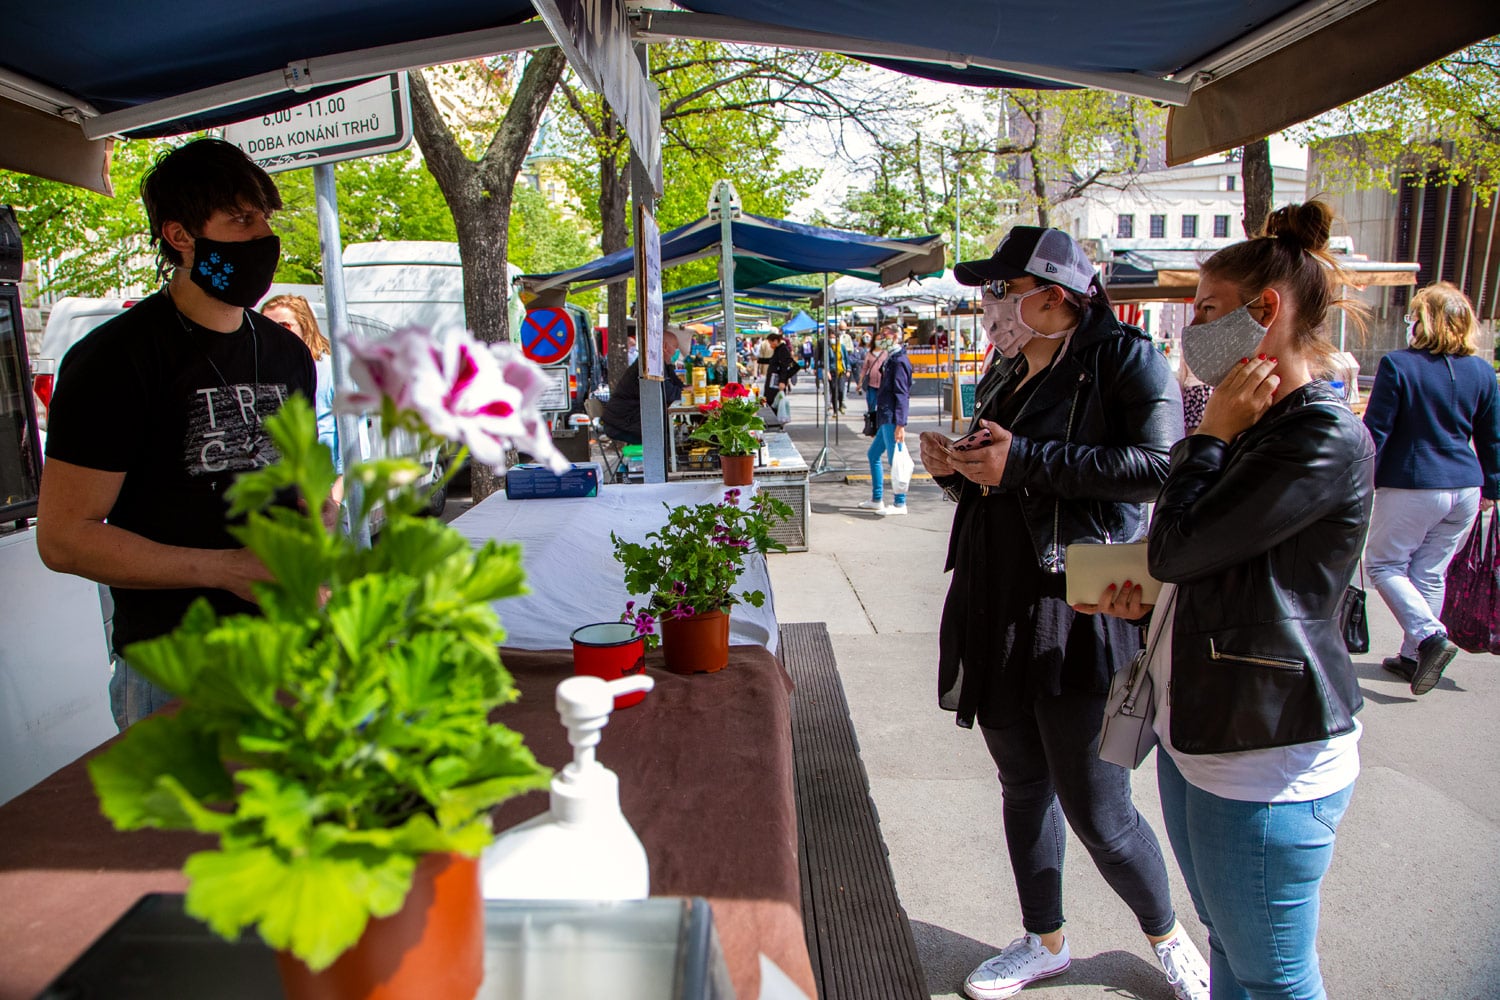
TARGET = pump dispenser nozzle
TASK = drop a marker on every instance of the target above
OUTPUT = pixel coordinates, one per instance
(582, 848)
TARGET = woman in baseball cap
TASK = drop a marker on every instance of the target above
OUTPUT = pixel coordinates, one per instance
(1073, 422)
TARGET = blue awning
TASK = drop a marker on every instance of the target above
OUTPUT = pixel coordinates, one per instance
(93, 68)
(712, 291)
(793, 246)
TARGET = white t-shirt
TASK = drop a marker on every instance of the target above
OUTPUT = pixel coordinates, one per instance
(1298, 773)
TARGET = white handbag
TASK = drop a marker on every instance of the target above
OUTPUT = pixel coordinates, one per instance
(1128, 733)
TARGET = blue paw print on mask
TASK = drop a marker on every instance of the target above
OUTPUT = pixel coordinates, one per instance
(216, 271)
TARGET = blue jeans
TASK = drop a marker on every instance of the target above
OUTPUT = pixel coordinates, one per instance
(1413, 535)
(870, 396)
(884, 446)
(131, 696)
(1254, 870)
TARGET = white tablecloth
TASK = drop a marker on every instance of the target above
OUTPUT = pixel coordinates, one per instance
(570, 564)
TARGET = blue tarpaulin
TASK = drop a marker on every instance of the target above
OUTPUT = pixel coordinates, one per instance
(790, 245)
(800, 323)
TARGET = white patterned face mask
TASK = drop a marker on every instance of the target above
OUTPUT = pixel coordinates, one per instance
(1004, 326)
(1212, 349)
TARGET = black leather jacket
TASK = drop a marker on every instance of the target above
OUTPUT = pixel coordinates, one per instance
(1262, 536)
(1090, 447)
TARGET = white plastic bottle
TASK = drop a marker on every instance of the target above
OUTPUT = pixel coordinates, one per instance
(582, 848)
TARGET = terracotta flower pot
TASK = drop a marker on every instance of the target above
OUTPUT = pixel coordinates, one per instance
(432, 947)
(739, 470)
(698, 644)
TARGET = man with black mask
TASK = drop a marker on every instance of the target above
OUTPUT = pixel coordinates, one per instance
(157, 410)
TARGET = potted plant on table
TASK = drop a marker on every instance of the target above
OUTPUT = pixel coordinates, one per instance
(689, 567)
(338, 745)
(730, 424)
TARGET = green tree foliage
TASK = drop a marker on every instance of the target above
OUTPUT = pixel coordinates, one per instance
(1442, 119)
(923, 185)
(85, 243)
(389, 197)
(542, 238)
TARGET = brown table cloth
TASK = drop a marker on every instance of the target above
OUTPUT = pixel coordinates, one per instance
(705, 766)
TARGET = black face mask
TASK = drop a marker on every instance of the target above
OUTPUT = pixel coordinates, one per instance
(236, 273)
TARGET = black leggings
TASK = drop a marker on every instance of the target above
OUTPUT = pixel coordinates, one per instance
(1050, 768)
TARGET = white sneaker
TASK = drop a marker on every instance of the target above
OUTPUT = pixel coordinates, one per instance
(894, 511)
(1186, 971)
(871, 505)
(1024, 960)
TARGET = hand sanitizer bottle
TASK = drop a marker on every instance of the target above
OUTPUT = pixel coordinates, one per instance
(581, 848)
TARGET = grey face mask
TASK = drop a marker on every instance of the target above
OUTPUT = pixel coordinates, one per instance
(1212, 349)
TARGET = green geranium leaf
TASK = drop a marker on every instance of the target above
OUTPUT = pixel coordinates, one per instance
(419, 545)
(159, 774)
(173, 662)
(497, 573)
(228, 889)
(283, 807)
(294, 553)
(369, 610)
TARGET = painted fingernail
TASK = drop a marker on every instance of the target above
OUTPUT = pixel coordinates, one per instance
(1110, 587)
(1244, 361)
(1273, 361)
(1127, 585)
(1262, 357)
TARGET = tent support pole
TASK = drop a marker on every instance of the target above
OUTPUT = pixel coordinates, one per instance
(654, 427)
(821, 465)
(326, 192)
(724, 193)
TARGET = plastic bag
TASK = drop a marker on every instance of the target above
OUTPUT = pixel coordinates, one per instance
(784, 408)
(1471, 604)
(901, 468)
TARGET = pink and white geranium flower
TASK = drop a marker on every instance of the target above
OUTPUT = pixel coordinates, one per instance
(483, 395)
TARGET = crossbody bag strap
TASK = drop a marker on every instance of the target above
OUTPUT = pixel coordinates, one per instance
(1142, 665)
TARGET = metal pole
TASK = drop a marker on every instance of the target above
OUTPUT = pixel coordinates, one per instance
(332, 246)
(725, 191)
(820, 465)
(1440, 234)
(653, 399)
(1463, 266)
(1489, 244)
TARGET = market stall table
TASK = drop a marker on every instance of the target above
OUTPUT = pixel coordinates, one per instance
(705, 766)
(570, 565)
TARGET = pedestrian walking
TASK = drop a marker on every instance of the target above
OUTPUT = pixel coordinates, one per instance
(874, 363)
(1259, 526)
(1436, 424)
(1073, 424)
(892, 403)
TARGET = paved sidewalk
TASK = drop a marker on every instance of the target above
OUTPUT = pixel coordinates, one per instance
(1411, 907)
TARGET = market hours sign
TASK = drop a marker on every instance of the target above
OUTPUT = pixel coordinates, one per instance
(373, 117)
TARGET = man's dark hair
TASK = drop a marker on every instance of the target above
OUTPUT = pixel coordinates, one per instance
(192, 182)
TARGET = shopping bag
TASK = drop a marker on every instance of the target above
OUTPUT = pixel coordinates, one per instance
(901, 468)
(1471, 604)
(784, 408)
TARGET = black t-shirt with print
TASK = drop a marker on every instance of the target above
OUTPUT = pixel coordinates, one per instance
(177, 408)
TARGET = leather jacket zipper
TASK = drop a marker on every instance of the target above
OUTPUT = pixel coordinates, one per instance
(1057, 504)
(1280, 663)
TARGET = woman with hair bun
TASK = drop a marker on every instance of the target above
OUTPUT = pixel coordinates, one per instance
(1436, 424)
(1256, 533)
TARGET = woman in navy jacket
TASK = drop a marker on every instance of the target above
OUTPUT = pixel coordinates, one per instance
(1436, 424)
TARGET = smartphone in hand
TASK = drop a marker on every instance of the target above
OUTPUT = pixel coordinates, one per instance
(979, 439)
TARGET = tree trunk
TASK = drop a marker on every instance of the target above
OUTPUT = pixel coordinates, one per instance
(614, 209)
(479, 194)
(1256, 180)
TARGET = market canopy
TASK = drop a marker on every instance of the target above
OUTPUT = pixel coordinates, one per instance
(75, 72)
(713, 291)
(939, 289)
(800, 323)
(778, 245)
(1172, 275)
